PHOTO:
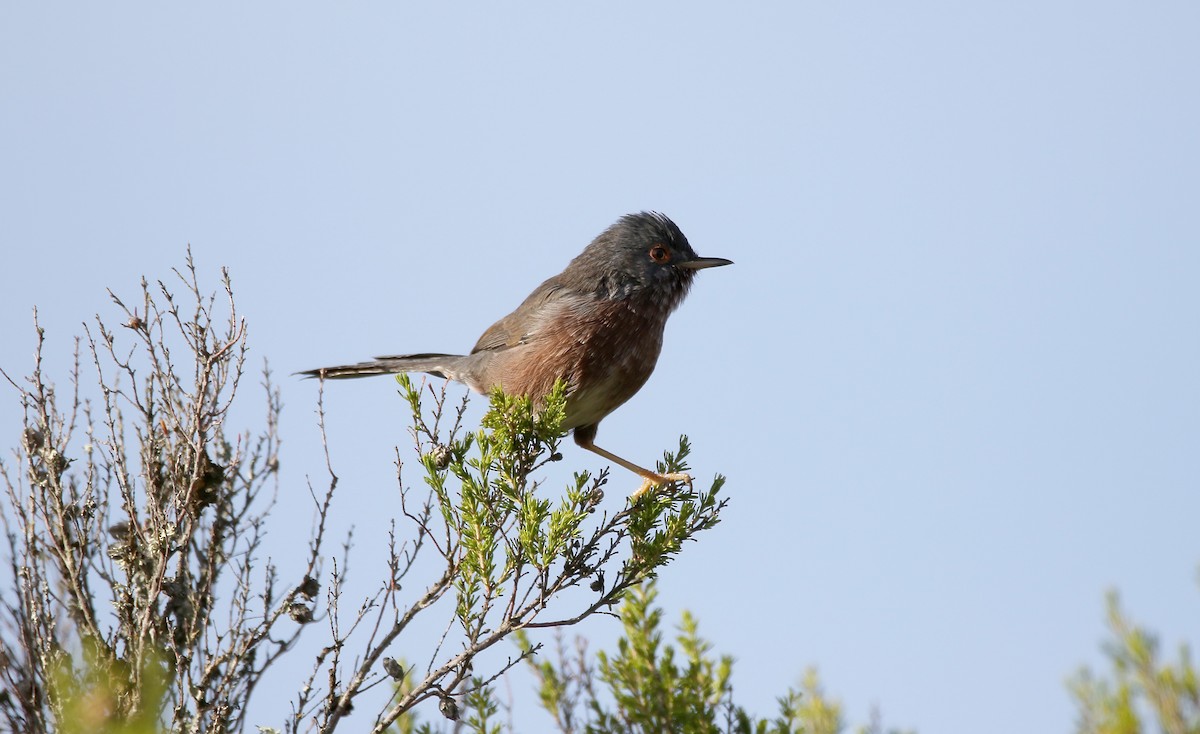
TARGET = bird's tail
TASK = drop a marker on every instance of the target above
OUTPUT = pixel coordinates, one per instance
(448, 366)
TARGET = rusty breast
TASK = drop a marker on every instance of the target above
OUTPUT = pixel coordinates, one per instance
(604, 349)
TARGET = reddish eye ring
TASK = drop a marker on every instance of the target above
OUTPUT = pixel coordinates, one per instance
(660, 254)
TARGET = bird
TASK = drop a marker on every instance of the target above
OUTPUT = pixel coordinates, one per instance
(598, 325)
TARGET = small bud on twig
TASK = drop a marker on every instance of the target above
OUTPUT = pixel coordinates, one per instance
(441, 456)
(308, 588)
(300, 613)
(393, 668)
(33, 439)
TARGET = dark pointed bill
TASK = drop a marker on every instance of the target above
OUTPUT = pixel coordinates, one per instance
(703, 262)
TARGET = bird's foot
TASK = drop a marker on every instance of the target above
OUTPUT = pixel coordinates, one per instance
(658, 480)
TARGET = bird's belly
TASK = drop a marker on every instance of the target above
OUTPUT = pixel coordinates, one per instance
(587, 407)
(605, 382)
(605, 353)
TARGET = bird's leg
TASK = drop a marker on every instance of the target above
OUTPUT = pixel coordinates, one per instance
(652, 479)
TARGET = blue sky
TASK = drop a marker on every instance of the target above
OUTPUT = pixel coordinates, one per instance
(952, 376)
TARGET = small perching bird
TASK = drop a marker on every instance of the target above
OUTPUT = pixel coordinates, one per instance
(597, 325)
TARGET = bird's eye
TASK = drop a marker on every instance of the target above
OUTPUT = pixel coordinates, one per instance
(660, 254)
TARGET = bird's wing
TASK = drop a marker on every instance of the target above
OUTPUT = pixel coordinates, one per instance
(523, 324)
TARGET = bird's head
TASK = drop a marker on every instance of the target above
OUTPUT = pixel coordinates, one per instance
(643, 256)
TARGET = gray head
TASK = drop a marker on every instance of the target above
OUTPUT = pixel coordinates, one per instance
(642, 256)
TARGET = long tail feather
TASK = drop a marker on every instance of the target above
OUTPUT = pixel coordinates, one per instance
(441, 365)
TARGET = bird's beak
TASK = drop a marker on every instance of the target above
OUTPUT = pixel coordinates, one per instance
(703, 262)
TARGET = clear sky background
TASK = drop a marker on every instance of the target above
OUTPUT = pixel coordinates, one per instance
(952, 377)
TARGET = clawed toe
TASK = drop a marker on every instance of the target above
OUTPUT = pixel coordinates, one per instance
(658, 480)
